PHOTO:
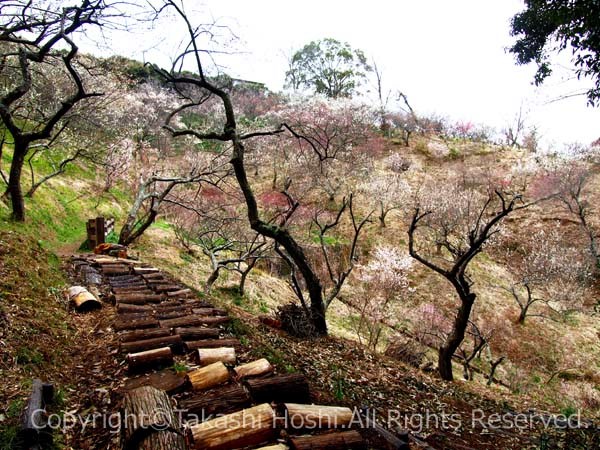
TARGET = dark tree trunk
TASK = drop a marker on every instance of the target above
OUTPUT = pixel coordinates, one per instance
(14, 182)
(382, 215)
(455, 338)
(523, 315)
(128, 235)
(283, 238)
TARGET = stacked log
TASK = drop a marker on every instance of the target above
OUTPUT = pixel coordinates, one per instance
(138, 298)
(252, 369)
(209, 376)
(121, 325)
(208, 356)
(193, 321)
(212, 343)
(210, 311)
(299, 416)
(165, 380)
(180, 293)
(248, 427)
(173, 342)
(279, 389)
(346, 440)
(197, 333)
(140, 335)
(149, 422)
(146, 270)
(219, 401)
(130, 307)
(150, 358)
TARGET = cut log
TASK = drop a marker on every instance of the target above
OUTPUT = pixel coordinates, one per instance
(218, 401)
(34, 431)
(140, 335)
(134, 316)
(193, 333)
(208, 356)
(345, 440)
(173, 314)
(180, 293)
(212, 343)
(280, 388)
(166, 380)
(195, 303)
(149, 421)
(115, 270)
(146, 270)
(82, 299)
(96, 292)
(129, 308)
(134, 298)
(150, 358)
(193, 321)
(170, 306)
(274, 447)
(111, 260)
(174, 342)
(121, 325)
(153, 276)
(123, 278)
(91, 276)
(209, 376)
(127, 284)
(132, 290)
(166, 287)
(248, 427)
(299, 416)
(210, 311)
(255, 368)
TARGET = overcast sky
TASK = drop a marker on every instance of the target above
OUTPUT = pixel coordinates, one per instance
(449, 57)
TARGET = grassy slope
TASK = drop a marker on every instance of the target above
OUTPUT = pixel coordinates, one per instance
(37, 332)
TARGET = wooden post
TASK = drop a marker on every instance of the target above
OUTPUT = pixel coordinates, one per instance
(100, 230)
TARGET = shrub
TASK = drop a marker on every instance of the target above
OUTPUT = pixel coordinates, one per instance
(406, 350)
(295, 320)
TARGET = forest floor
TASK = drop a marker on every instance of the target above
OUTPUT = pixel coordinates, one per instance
(41, 337)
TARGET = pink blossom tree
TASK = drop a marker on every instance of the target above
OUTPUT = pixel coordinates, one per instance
(450, 226)
(381, 281)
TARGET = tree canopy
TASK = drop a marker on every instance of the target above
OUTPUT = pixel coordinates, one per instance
(547, 26)
(328, 66)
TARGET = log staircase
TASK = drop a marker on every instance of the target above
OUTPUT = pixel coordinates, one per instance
(191, 384)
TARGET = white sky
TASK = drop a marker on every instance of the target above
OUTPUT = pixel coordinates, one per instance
(449, 57)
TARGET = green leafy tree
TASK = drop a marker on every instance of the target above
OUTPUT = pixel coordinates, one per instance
(547, 26)
(329, 67)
